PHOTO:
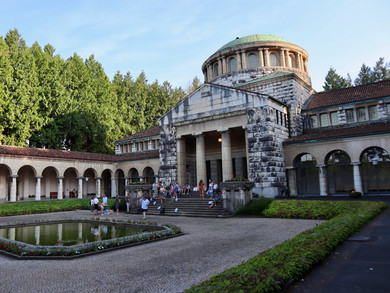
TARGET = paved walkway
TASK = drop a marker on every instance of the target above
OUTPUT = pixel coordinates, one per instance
(361, 264)
(209, 247)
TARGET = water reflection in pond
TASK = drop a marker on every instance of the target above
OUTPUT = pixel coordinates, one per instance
(70, 233)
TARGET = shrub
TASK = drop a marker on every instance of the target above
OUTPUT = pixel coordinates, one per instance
(272, 269)
(254, 207)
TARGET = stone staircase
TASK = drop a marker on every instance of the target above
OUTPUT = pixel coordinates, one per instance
(187, 205)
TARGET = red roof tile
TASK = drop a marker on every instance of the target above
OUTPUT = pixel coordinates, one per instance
(68, 155)
(152, 131)
(349, 95)
(367, 129)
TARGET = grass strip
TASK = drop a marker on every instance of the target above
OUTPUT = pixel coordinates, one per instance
(294, 258)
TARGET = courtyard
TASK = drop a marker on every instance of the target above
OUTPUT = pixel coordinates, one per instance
(209, 246)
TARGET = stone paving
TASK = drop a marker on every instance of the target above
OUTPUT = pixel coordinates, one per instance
(210, 246)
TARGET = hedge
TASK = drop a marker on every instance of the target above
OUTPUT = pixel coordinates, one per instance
(272, 269)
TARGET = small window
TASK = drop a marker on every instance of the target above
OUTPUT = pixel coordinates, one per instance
(273, 59)
(252, 61)
(373, 112)
(349, 115)
(216, 70)
(314, 121)
(361, 114)
(334, 118)
(324, 119)
(232, 64)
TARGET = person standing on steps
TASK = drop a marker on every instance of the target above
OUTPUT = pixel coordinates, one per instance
(144, 206)
(201, 188)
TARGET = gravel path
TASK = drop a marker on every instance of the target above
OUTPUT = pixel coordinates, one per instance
(210, 246)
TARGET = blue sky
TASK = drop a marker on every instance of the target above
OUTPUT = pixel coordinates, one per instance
(169, 40)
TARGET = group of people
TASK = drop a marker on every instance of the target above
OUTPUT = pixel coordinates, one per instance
(102, 205)
(172, 190)
(213, 192)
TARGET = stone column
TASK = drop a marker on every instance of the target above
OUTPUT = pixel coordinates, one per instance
(227, 164)
(246, 150)
(181, 160)
(38, 188)
(60, 189)
(200, 159)
(266, 57)
(13, 188)
(323, 179)
(113, 187)
(297, 58)
(287, 53)
(80, 188)
(223, 68)
(98, 186)
(239, 65)
(357, 179)
(282, 58)
(261, 58)
(219, 67)
(244, 60)
(209, 72)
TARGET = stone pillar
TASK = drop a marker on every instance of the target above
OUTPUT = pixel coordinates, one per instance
(113, 186)
(323, 179)
(357, 179)
(244, 60)
(209, 72)
(227, 164)
(261, 58)
(239, 65)
(60, 189)
(287, 53)
(38, 188)
(200, 159)
(297, 58)
(181, 160)
(282, 58)
(219, 67)
(246, 150)
(98, 186)
(224, 67)
(266, 57)
(80, 188)
(13, 188)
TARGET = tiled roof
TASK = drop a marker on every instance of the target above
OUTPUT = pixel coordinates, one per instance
(349, 95)
(367, 129)
(68, 155)
(152, 131)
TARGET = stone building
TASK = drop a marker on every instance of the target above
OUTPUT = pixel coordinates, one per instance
(256, 116)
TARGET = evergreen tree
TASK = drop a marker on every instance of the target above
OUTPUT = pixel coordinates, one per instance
(365, 75)
(334, 81)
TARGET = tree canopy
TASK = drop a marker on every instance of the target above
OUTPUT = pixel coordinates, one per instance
(381, 71)
(49, 102)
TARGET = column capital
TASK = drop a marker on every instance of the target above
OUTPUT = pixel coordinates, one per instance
(80, 177)
(223, 130)
(14, 176)
(99, 178)
(320, 165)
(39, 177)
(356, 163)
(61, 177)
(197, 134)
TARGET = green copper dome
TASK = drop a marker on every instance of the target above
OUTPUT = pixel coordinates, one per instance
(252, 39)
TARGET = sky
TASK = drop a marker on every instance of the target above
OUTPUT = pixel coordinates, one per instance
(170, 39)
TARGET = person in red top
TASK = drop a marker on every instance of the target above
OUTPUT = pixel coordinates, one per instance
(201, 188)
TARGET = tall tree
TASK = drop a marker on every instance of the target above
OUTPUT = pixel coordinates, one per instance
(334, 81)
(365, 75)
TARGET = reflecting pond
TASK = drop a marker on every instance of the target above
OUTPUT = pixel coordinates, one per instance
(71, 233)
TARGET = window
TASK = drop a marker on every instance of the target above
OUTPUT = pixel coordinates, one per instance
(361, 114)
(373, 112)
(291, 61)
(334, 118)
(314, 121)
(273, 60)
(216, 70)
(232, 64)
(324, 119)
(349, 115)
(252, 61)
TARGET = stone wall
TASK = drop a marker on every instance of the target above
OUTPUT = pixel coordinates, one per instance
(168, 159)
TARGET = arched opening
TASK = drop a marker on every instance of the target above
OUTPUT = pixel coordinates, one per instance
(26, 183)
(89, 184)
(252, 61)
(106, 177)
(5, 182)
(120, 175)
(148, 175)
(134, 175)
(375, 170)
(340, 172)
(232, 64)
(291, 60)
(273, 60)
(216, 70)
(49, 183)
(71, 183)
(307, 175)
